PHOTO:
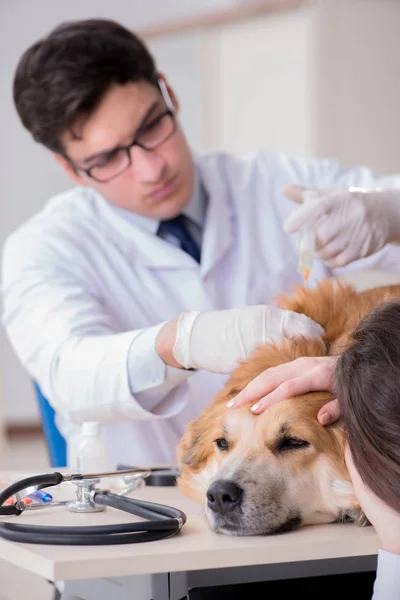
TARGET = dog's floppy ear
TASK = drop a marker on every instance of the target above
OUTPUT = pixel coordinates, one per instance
(347, 502)
(350, 508)
(193, 448)
(189, 450)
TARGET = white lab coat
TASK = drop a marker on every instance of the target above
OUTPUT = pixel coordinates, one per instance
(81, 283)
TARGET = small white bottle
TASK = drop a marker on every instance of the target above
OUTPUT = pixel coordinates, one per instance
(92, 454)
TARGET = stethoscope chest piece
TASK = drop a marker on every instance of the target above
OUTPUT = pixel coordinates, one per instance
(84, 503)
(159, 521)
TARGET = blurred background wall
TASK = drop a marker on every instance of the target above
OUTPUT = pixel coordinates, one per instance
(314, 78)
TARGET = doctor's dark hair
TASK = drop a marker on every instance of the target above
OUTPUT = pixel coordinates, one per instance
(368, 390)
(64, 75)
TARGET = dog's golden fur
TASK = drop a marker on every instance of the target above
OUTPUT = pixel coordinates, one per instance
(284, 486)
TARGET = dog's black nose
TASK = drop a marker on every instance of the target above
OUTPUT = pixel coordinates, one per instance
(224, 496)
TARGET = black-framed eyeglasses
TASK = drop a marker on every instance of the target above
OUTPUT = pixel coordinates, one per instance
(149, 137)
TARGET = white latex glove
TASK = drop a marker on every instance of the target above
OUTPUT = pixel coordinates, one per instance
(218, 340)
(350, 224)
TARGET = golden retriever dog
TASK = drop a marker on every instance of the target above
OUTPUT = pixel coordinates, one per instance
(269, 473)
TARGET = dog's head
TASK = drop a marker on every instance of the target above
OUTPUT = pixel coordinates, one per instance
(268, 473)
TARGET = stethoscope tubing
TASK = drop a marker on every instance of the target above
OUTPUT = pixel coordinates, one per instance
(39, 481)
(24, 534)
(161, 520)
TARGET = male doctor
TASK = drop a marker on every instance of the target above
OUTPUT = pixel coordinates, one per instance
(131, 296)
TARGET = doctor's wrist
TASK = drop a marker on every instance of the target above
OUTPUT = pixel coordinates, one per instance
(165, 342)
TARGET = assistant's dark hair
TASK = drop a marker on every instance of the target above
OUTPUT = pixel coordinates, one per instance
(66, 74)
(368, 389)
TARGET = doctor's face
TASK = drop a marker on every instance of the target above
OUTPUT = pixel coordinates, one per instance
(155, 180)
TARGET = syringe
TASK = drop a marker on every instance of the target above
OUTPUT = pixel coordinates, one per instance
(307, 244)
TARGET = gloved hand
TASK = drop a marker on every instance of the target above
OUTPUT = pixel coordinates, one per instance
(218, 340)
(350, 224)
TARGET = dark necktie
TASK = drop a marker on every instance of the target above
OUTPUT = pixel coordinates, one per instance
(177, 228)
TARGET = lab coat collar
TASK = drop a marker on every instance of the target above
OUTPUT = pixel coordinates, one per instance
(136, 235)
(138, 241)
(220, 218)
(197, 207)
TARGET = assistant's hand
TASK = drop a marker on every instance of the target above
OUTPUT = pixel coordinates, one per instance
(218, 340)
(294, 378)
(349, 223)
(384, 518)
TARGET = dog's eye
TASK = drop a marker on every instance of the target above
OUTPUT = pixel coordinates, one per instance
(222, 444)
(291, 443)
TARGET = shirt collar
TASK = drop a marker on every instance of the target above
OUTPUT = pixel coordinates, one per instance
(195, 209)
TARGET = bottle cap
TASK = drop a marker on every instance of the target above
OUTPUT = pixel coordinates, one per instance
(91, 428)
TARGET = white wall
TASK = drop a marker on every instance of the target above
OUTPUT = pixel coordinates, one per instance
(323, 80)
(263, 74)
(358, 80)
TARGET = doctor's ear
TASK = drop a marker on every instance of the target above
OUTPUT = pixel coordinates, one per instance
(77, 177)
(171, 93)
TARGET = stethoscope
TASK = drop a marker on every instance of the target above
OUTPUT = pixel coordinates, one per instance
(161, 521)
